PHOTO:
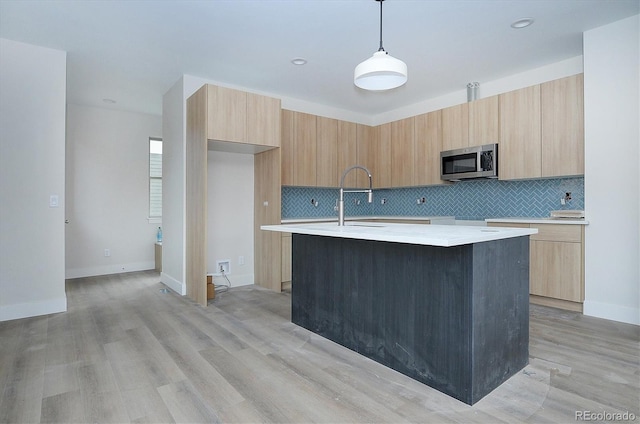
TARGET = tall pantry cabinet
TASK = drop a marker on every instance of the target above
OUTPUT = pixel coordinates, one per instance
(220, 118)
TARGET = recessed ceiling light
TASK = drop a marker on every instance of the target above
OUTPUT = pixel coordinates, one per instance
(522, 23)
(109, 101)
(299, 61)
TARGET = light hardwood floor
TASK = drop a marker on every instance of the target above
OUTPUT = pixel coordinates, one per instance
(126, 352)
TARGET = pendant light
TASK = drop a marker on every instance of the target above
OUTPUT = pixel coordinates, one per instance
(382, 71)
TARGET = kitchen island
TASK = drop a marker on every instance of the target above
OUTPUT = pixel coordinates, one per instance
(445, 305)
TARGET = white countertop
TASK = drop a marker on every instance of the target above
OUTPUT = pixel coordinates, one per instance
(428, 235)
(525, 220)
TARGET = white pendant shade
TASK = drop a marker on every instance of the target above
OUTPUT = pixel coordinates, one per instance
(380, 72)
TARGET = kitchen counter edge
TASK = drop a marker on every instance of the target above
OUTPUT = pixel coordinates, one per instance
(428, 235)
(525, 220)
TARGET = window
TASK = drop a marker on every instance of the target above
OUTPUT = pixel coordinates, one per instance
(155, 178)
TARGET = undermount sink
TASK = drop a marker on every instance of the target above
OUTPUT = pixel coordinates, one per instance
(355, 224)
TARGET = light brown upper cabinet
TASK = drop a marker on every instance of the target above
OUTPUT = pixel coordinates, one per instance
(326, 152)
(286, 147)
(242, 117)
(402, 152)
(427, 147)
(304, 149)
(484, 125)
(316, 150)
(384, 177)
(563, 126)
(298, 149)
(347, 152)
(373, 152)
(455, 127)
(542, 130)
(263, 120)
(520, 149)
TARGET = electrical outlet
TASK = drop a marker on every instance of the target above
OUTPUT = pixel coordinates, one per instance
(107, 253)
(240, 260)
(223, 267)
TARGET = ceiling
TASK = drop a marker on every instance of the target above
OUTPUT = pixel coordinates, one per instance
(134, 51)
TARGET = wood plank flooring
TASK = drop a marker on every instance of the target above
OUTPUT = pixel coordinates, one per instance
(126, 352)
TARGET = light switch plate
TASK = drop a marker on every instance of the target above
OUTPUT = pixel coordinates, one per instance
(53, 201)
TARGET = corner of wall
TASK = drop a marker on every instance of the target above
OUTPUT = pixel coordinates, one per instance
(173, 284)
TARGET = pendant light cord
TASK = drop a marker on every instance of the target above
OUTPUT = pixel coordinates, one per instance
(381, 49)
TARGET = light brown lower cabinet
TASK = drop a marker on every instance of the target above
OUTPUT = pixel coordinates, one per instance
(556, 264)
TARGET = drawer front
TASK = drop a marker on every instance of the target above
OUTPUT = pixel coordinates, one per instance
(558, 232)
(508, 224)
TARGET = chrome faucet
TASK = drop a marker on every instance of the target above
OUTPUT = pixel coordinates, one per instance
(343, 191)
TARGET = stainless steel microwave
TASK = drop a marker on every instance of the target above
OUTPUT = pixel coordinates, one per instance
(470, 162)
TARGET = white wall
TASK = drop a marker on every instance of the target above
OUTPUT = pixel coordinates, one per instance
(32, 163)
(107, 181)
(173, 188)
(230, 215)
(612, 180)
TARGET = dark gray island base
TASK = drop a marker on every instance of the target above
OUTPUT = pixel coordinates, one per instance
(454, 318)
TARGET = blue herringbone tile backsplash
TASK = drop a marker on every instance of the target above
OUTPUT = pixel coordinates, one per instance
(474, 200)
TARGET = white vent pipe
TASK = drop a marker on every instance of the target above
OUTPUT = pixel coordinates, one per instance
(472, 91)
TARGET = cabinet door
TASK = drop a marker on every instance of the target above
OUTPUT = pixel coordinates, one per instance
(563, 126)
(556, 270)
(227, 114)
(382, 153)
(484, 126)
(286, 147)
(304, 149)
(520, 154)
(427, 147)
(263, 120)
(326, 152)
(402, 153)
(347, 151)
(368, 154)
(455, 127)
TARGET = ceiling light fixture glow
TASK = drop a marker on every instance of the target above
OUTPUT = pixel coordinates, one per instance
(522, 23)
(382, 71)
(298, 61)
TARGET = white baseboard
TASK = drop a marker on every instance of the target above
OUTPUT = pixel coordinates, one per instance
(612, 312)
(173, 284)
(108, 269)
(33, 309)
